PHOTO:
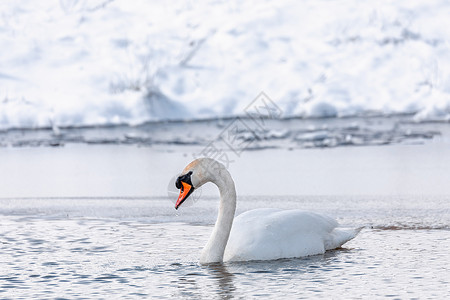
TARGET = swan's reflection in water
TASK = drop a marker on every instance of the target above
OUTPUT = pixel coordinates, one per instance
(224, 280)
(207, 280)
(219, 279)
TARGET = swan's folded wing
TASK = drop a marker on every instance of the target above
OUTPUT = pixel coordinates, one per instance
(263, 234)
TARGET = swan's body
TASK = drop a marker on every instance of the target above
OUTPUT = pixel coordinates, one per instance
(268, 233)
(259, 234)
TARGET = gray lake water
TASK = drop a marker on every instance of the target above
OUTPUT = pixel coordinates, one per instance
(98, 248)
(83, 213)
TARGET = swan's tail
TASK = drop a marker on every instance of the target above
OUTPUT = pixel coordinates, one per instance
(339, 236)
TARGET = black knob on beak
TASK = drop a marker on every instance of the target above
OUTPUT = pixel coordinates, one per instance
(184, 178)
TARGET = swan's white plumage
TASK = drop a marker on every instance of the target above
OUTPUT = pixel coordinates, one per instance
(268, 233)
(262, 234)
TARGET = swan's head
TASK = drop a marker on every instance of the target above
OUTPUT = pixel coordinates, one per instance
(196, 174)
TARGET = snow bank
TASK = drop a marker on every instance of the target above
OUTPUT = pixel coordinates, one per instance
(79, 62)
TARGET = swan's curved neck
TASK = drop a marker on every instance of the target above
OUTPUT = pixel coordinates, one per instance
(215, 248)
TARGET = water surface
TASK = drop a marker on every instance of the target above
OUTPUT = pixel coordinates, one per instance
(93, 248)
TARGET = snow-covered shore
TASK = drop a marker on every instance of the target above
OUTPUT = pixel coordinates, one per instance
(75, 62)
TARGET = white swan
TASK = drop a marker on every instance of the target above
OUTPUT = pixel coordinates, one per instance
(259, 234)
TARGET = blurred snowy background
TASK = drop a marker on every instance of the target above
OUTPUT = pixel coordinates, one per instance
(80, 62)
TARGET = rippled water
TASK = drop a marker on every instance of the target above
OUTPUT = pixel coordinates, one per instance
(134, 248)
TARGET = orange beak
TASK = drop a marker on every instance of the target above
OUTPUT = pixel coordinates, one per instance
(185, 191)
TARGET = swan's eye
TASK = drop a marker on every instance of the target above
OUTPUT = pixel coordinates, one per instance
(184, 178)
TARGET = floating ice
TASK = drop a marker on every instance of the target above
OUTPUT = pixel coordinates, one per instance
(294, 133)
